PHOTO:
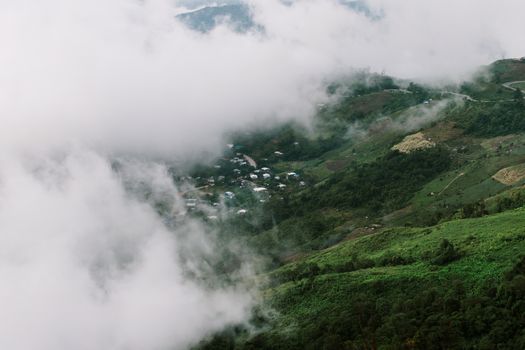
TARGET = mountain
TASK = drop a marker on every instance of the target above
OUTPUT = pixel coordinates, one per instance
(397, 225)
(205, 19)
(205, 15)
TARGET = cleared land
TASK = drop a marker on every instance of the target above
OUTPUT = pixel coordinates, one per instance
(414, 142)
(511, 175)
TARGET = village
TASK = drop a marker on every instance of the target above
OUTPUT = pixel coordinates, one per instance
(235, 185)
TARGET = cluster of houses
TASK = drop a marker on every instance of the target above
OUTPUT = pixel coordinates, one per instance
(241, 172)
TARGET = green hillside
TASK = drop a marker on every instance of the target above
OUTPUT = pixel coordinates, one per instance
(394, 266)
(396, 223)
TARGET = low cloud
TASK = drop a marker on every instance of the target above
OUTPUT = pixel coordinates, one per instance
(86, 262)
(412, 119)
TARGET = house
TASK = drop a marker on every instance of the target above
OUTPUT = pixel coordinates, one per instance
(277, 153)
(265, 169)
(267, 176)
(253, 177)
(260, 189)
(242, 211)
(191, 203)
(229, 195)
(281, 186)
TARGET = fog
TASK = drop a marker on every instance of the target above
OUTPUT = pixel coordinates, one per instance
(86, 262)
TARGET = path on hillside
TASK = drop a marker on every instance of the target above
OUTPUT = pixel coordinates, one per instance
(507, 85)
(510, 83)
(466, 97)
(451, 182)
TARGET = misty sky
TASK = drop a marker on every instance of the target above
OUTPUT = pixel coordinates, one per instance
(84, 263)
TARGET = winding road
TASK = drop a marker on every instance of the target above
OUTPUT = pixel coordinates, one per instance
(510, 83)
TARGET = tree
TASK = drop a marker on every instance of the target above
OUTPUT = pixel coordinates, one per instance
(446, 253)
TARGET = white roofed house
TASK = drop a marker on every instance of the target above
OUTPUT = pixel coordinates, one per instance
(253, 177)
(267, 176)
(292, 175)
(191, 203)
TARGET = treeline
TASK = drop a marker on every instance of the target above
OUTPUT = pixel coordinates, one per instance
(489, 120)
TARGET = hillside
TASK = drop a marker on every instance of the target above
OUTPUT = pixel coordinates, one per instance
(393, 225)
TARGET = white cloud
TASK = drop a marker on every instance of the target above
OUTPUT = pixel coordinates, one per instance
(86, 265)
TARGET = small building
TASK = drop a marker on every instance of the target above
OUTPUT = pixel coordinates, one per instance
(253, 177)
(242, 212)
(267, 176)
(260, 189)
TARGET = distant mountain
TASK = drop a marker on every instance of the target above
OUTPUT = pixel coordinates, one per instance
(197, 4)
(207, 18)
(205, 15)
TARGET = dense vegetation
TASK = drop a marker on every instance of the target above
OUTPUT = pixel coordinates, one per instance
(493, 119)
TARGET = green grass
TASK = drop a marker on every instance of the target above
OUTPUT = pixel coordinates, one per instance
(493, 241)
(489, 246)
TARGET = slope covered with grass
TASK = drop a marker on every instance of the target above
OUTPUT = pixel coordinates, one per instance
(395, 288)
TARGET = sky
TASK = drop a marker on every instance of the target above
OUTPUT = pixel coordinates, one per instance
(85, 263)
